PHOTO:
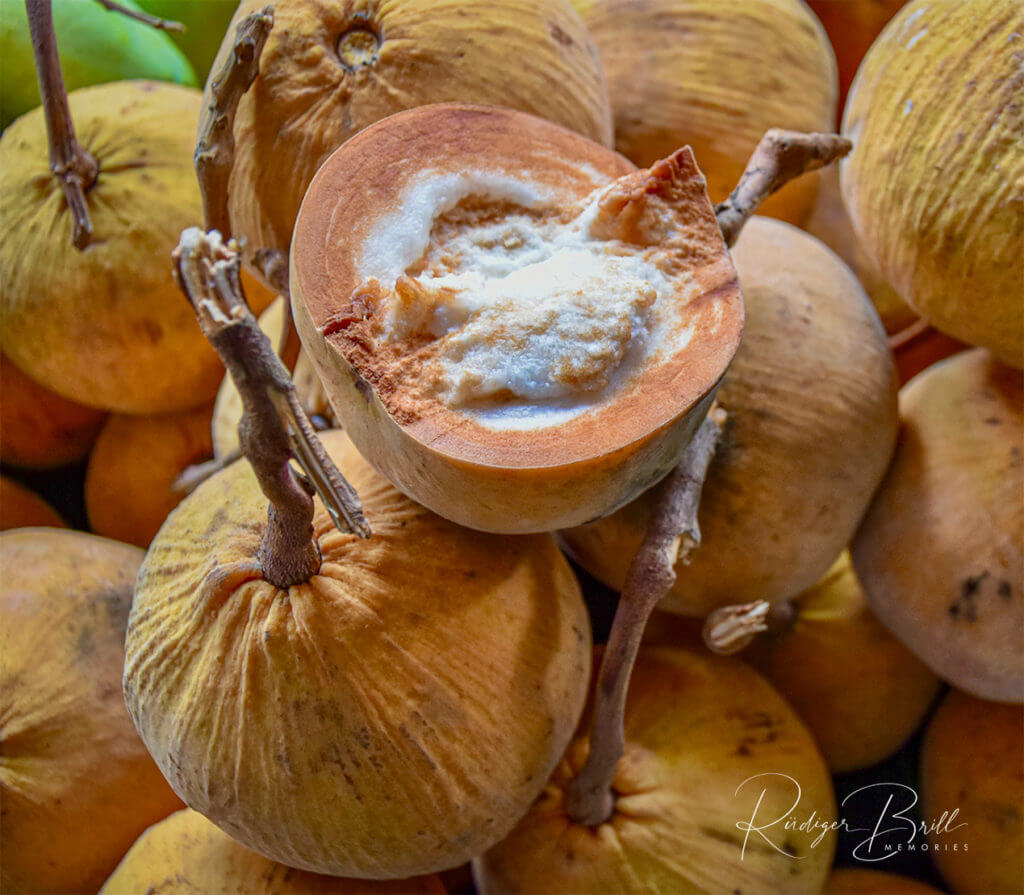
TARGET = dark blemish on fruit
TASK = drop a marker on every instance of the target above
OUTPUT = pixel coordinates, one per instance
(993, 421)
(559, 35)
(1005, 590)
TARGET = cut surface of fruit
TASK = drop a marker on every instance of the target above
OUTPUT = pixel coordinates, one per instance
(513, 299)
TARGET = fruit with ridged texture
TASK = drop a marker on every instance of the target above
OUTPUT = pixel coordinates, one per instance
(940, 553)
(935, 183)
(76, 783)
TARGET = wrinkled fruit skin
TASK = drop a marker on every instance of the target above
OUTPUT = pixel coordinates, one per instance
(972, 758)
(696, 728)
(106, 327)
(76, 783)
(935, 183)
(202, 858)
(940, 553)
(394, 715)
(685, 71)
(811, 398)
(330, 69)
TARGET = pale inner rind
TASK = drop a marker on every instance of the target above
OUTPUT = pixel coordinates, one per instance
(535, 319)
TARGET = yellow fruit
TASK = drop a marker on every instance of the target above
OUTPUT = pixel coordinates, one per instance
(76, 784)
(129, 485)
(940, 554)
(393, 715)
(22, 508)
(330, 69)
(715, 76)
(705, 736)
(935, 183)
(862, 881)
(39, 429)
(201, 858)
(106, 327)
(811, 398)
(972, 762)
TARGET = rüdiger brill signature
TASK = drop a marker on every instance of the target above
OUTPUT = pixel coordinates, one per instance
(892, 831)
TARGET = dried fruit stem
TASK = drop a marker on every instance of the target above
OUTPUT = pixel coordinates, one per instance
(732, 628)
(780, 157)
(672, 533)
(144, 17)
(274, 427)
(909, 333)
(215, 148)
(72, 165)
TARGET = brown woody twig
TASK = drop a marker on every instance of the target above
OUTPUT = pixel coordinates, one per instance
(274, 427)
(779, 157)
(672, 533)
(74, 167)
(215, 148)
(144, 17)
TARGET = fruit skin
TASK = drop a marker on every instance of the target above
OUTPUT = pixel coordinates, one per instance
(200, 857)
(811, 396)
(696, 727)
(532, 55)
(935, 182)
(861, 881)
(205, 21)
(76, 783)
(940, 553)
(859, 690)
(393, 716)
(40, 429)
(95, 47)
(715, 76)
(22, 508)
(129, 482)
(972, 759)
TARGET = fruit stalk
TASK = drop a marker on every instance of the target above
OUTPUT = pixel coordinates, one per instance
(274, 428)
(732, 628)
(73, 166)
(673, 533)
(215, 148)
(780, 157)
(144, 17)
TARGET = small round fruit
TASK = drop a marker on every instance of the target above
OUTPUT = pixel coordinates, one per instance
(76, 783)
(39, 429)
(972, 762)
(22, 508)
(935, 183)
(393, 715)
(328, 70)
(705, 737)
(202, 858)
(811, 398)
(861, 881)
(715, 76)
(940, 554)
(129, 485)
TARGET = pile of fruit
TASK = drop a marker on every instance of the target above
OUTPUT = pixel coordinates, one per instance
(456, 487)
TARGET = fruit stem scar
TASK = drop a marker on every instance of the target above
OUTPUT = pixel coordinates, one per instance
(672, 534)
(730, 629)
(274, 429)
(215, 148)
(74, 167)
(357, 48)
(780, 157)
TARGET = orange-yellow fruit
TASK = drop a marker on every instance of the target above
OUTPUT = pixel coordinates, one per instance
(40, 429)
(704, 737)
(715, 76)
(129, 485)
(862, 881)
(935, 182)
(201, 858)
(393, 715)
(22, 508)
(811, 398)
(330, 69)
(861, 692)
(940, 554)
(76, 784)
(972, 762)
